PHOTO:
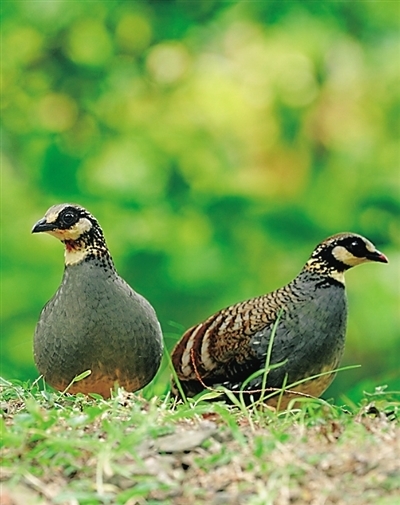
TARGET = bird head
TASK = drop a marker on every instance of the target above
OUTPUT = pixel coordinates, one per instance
(338, 253)
(76, 228)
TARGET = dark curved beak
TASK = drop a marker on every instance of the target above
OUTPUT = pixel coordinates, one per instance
(42, 225)
(377, 256)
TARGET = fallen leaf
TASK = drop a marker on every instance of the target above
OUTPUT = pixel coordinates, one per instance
(184, 440)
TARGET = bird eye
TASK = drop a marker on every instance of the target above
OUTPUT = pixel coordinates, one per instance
(68, 218)
(356, 247)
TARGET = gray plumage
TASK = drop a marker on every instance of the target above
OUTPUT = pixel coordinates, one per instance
(95, 321)
(310, 334)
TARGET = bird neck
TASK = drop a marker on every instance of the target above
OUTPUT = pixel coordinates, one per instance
(87, 248)
(323, 268)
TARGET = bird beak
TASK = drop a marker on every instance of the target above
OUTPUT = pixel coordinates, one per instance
(42, 225)
(377, 256)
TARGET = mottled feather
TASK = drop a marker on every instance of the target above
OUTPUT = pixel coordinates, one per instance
(232, 344)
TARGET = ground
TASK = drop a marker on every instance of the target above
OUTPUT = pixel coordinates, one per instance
(70, 450)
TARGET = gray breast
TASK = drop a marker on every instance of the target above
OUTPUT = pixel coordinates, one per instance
(310, 333)
(95, 320)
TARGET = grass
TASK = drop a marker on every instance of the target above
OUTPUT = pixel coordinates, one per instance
(62, 449)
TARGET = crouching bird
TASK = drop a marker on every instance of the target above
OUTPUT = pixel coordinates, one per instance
(95, 321)
(309, 315)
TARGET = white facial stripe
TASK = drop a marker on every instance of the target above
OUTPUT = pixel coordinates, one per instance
(370, 247)
(73, 233)
(51, 217)
(342, 254)
(60, 234)
(79, 228)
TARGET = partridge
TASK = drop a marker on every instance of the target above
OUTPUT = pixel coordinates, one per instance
(95, 321)
(309, 315)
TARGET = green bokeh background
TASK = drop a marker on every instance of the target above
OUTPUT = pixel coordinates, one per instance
(217, 143)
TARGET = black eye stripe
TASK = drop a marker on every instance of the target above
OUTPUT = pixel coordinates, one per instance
(356, 247)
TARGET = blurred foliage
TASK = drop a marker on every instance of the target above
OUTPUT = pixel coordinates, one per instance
(216, 142)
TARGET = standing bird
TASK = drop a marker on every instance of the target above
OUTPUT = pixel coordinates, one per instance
(309, 315)
(95, 321)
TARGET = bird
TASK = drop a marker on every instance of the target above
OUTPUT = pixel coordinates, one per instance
(308, 316)
(95, 321)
